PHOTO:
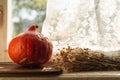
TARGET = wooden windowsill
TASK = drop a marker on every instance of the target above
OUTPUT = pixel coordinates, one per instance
(8, 69)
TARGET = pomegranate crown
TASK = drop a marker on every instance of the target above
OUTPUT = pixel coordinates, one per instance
(33, 28)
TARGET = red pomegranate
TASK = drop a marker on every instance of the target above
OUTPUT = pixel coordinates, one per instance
(30, 48)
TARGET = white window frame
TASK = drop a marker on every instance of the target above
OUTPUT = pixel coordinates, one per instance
(5, 29)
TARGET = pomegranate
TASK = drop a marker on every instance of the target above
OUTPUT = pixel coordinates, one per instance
(30, 48)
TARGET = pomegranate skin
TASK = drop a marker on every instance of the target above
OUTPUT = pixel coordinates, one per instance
(30, 48)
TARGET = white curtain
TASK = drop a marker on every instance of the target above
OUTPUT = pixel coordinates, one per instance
(93, 24)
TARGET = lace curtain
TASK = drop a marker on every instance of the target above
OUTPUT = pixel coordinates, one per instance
(93, 24)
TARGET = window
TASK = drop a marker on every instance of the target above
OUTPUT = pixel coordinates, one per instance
(26, 13)
(94, 22)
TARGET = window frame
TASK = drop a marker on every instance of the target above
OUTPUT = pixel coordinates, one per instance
(5, 29)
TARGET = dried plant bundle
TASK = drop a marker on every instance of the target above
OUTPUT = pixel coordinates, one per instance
(78, 59)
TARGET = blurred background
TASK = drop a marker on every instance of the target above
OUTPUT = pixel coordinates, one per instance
(26, 13)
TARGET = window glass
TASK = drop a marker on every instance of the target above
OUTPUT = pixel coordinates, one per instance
(26, 13)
